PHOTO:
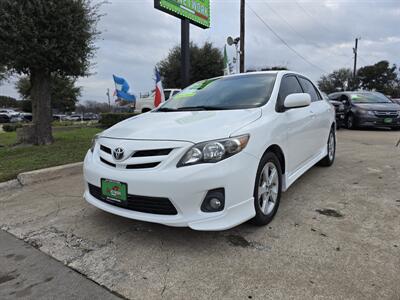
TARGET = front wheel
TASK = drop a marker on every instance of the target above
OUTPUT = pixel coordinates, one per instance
(350, 122)
(328, 160)
(267, 189)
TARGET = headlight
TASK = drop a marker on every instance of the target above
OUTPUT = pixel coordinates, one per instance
(94, 141)
(214, 151)
(366, 112)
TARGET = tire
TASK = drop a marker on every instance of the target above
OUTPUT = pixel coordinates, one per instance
(350, 122)
(266, 205)
(328, 160)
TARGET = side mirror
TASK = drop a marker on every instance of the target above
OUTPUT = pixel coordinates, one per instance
(297, 100)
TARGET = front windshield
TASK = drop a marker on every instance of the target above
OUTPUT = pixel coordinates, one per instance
(369, 98)
(234, 92)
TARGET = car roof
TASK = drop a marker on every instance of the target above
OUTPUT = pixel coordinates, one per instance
(282, 72)
(353, 92)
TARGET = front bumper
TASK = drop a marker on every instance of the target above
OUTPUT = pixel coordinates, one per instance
(186, 188)
(374, 121)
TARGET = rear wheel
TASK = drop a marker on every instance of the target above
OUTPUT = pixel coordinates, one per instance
(328, 160)
(267, 189)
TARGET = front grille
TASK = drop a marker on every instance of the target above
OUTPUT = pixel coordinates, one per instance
(105, 149)
(107, 162)
(132, 166)
(135, 161)
(143, 166)
(144, 204)
(386, 113)
(156, 152)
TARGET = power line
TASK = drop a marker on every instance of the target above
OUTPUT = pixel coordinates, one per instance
(362, 59)
(283, 41)
(312, 17)
(298, 33)
(287, 23)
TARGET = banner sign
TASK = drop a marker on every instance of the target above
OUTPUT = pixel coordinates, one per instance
(196, 11)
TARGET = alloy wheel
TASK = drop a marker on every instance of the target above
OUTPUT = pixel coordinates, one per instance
(350, 122)
(268, 188)
(331, 146)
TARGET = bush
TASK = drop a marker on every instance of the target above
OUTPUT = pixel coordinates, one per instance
(62, 123)
(11, 127)
(110, 119)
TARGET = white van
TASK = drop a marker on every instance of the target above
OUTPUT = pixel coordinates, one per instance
(147, 104)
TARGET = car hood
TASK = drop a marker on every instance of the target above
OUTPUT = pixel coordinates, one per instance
(193, 126)
(378, 106)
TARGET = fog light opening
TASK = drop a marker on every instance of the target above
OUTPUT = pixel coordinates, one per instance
(214, 201)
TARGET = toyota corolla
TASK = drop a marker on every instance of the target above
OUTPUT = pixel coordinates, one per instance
(219, 153)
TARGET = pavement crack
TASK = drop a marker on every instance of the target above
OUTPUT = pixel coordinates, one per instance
(166, 274)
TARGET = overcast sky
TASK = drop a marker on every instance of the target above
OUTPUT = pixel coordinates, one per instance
(135, 36)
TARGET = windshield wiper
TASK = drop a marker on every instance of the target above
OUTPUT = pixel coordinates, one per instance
(202, 107)
(192, 108)
(166, 109)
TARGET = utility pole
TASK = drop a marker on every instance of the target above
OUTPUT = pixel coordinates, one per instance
(242, 34)
(185, 54)
(109, 101)
(355, 49)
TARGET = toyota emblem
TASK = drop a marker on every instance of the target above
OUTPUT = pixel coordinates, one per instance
(118, 153)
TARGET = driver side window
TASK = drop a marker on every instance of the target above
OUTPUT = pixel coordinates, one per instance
(289, 85)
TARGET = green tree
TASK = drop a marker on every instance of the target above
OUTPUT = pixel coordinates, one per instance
(274, 68)
(64, 93)
(380, 77)
(2, 74)
(338, 81)
(205, 62)
(6, 101)
(40, 38)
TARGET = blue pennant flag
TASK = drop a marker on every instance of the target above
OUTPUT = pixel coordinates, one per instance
(122, 89)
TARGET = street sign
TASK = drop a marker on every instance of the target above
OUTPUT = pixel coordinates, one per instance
(196, 11)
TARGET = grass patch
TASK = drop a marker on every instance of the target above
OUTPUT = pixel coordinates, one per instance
(69, 147)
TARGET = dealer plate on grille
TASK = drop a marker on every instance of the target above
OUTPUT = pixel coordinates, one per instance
(114, 190)
(387, 120)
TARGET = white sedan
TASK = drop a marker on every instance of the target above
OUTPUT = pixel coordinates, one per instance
(219, 153)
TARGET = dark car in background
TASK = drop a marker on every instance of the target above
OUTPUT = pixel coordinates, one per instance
(368, 109)
(4, 118)
(339, 111)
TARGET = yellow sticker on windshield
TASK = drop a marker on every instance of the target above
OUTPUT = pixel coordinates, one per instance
(185, 95)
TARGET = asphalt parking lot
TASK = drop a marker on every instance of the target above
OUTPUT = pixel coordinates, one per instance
(336, 236)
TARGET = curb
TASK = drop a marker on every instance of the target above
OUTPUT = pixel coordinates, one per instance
(9, 185)
(42, 175)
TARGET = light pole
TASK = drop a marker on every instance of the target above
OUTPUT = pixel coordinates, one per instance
(355, 51)
(235, 42)
(242, 34)
(109, 101)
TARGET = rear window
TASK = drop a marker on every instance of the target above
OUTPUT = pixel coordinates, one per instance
(369, 98)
